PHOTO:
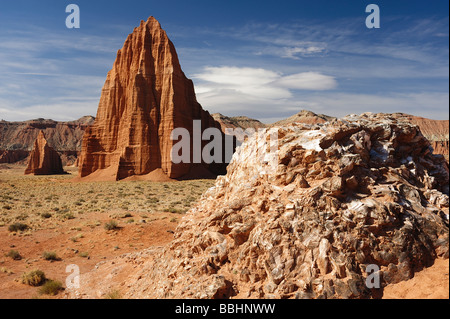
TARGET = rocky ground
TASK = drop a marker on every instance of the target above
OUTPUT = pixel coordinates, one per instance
(302, 215)
(304, 222)
(112, 275)
(69, 219)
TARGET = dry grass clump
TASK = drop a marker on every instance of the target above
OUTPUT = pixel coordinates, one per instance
(46, 215)
(16, 227)
(36, 202)
(50, 256)
(37, 278)
(111, 225)
(84, 254)
(34, 278)
(14, 254)
(5, 270)
(114, 294)
(51, 287)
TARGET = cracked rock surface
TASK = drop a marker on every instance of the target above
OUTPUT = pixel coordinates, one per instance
(308, 219)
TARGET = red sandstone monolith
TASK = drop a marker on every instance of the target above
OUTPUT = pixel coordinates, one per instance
(44, 160)
(146, 95)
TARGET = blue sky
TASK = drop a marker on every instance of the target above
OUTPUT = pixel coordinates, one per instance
(264, 59)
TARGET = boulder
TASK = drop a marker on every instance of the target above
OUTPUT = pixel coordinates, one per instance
(372, 194)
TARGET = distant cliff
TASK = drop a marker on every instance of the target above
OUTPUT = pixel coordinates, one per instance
(17, 138)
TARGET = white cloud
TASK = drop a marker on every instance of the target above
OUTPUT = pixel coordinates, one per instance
(250, 90)
(295, 51)
(250, 82)
(28, 96)
(307, 81)
(237, 76)
(383, 74)
(261, 82)
(237, 99)
(292, 52)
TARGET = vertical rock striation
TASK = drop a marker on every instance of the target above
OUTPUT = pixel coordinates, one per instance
(146, 95)
(44, 160)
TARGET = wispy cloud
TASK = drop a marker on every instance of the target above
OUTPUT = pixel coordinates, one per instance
(263, 70)
(63, 111)
(251, 85)
(402, 68)
(51, 74)
(307, 81)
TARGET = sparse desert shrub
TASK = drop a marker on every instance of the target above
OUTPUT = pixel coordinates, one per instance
(46, 215)
(111, 225)
(51, 256)
(152, 200)
(5, 270)
(14, 254)
(7, 207)
(115, 294)
(68, 216)
(84, 254)
(22, 216)
(77, 237)
(17, 227)
(174, 210)
(51, 287)
(34, 278)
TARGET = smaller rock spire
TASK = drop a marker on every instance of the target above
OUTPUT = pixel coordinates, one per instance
(44, 160)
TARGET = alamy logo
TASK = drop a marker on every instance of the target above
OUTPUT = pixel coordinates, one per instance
(373, 20)
(215, 152)
(373, 279)
(73, 280)
(73, 19)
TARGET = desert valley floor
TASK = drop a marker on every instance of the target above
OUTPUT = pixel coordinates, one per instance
(68, 219)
